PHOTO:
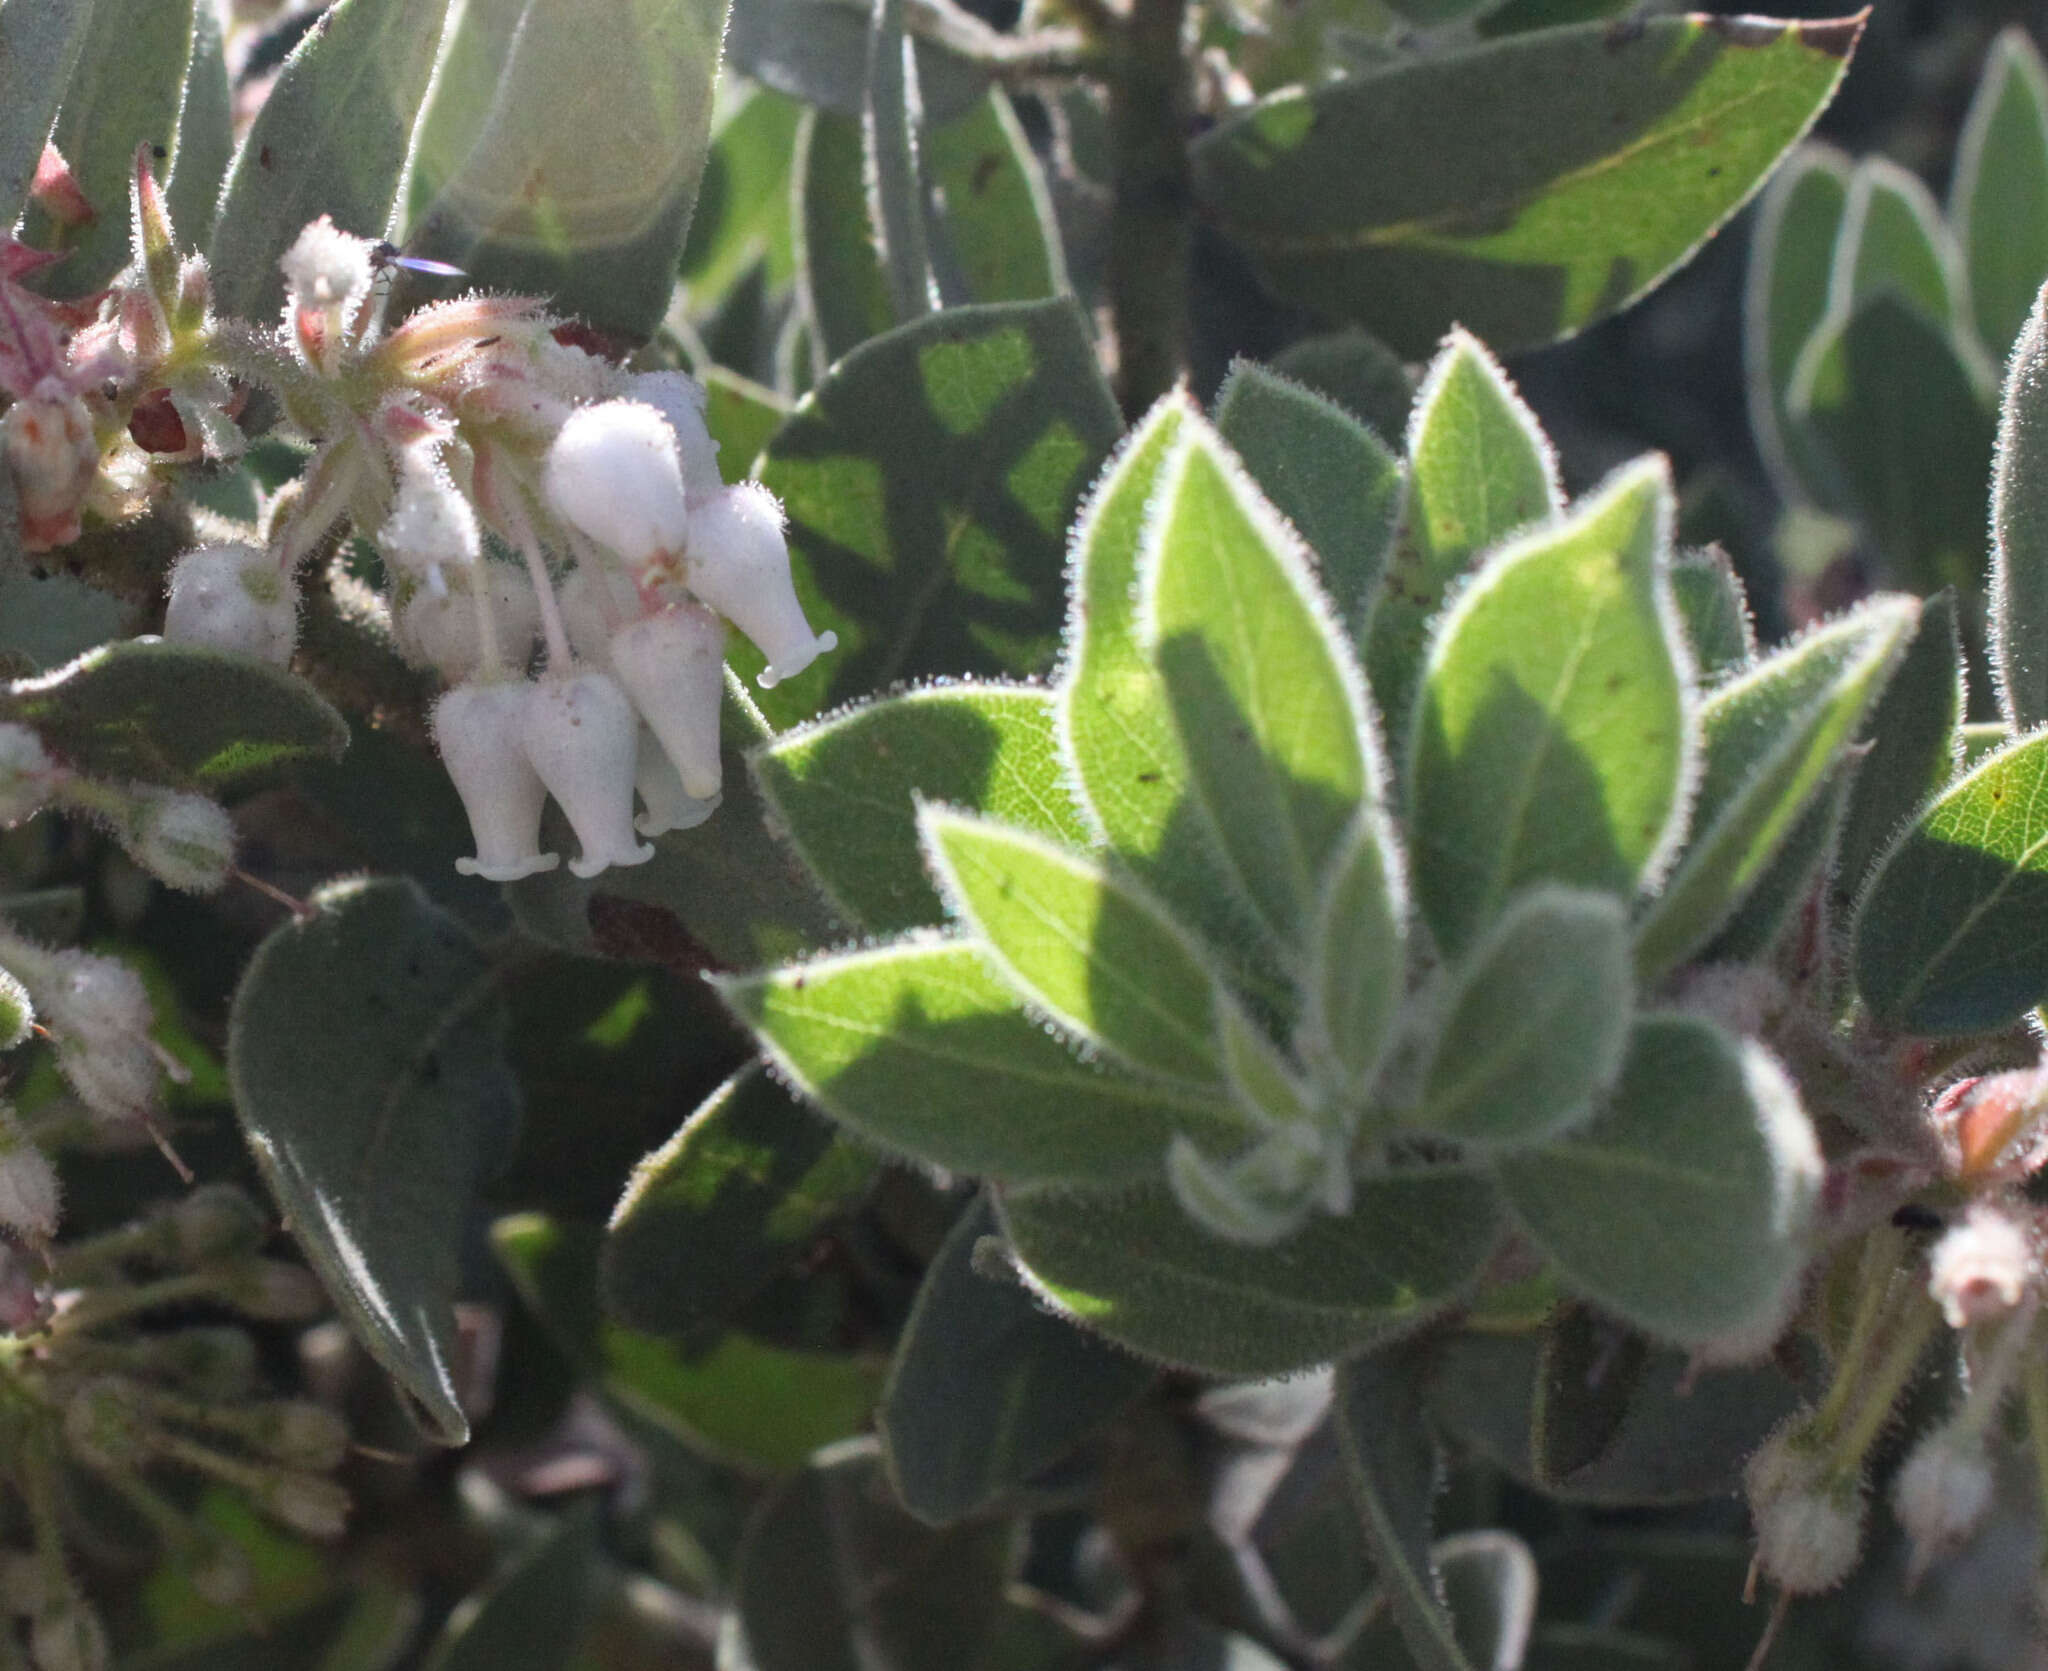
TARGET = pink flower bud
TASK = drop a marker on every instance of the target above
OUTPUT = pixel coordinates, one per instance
(56, 191)
(232, 597)
(477, 730)
(613, 474)
(27, 774)
(673, 667)
(439, 630)
(54, 456)
(680, 398)
(581, 734)
(669, 805)
(1980, 1267)
(739, 565)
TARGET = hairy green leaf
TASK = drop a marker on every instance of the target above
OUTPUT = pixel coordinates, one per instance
(206, 134)
(40, 41)
(987, 1388)
(706, 1221)
(1791, 256)
(842, 788)
(816, 50)
(1999, 201)
(1952, 934)
(739, 1401)
(176, 713)
(1082, 946)
(841, 286)
(1894, 239)
(994, 238)
(1715, 609)
(1494, 202)
(366, 1051)
(1359, 372)
(890, 115)
(1324, 471)
(533, 1613)
(334, 137)
(1773, 735)
(929, 481)
(743, 201)
(1136, 1268)
(1480, 469)
(1265, 694)
(1684, 1207)
(1357, 955)
(2019, 533)
(922, 1048)
(1535, 1024)
(580, 172)
(1554, 735)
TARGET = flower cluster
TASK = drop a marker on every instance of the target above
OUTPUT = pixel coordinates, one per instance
(1970, 1274)
(93, 1379)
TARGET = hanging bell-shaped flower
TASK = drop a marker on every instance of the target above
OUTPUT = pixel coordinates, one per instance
(613, 475)
(478, 730)
(582, 736)
(673, 666)
(739, 565)
(669, 806)
(680, 398)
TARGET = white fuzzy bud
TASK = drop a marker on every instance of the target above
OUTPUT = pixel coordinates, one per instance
(308, 1504)
(613, 473)
(739, 565)
(95, 999)
(1807, 1542)
(477, 729)
(27, 774)
(432, 526)
(680, 398)
(673, 667)
(582, 737)
(1944, 1490)
(28, 1183)
(17, 1012)
(669, 806)
(185, 841)
(327, 274)
(1979, 1268)
(439, 630)
(232, 597)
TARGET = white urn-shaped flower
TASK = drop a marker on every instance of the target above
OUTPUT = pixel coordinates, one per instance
(478, 729)
(582, 736)
(672, 664)
(739, 565)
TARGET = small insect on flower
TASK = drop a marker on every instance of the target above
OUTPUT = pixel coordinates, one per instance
(385, 256)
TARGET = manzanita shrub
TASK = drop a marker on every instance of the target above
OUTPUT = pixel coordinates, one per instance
(1260, 1035)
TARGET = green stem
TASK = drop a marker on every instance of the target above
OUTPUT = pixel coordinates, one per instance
(1892, 1372)
(1874, 1277)
(1151, 229)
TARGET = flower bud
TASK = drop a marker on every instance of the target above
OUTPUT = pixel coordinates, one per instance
(27, 774)
(28, 1183)
(1944, 1490)
(327, 274)
(669, 805)
(217, 1221)
(1980, 1267)
(107, 1424)
(51, 450)
(99, 1013)
(299, 1432)
(439, 630)
(1807, 1541)
(17, 1012)
(271, 1291)
(477, 728)
(613, 474)
(432, 524)
(185, 841)
(214, 1361)
(68, 1638)
(680, 398)
(582, 736)
(232, 597)
(309, 1505)
(672, 665)
(739, 565)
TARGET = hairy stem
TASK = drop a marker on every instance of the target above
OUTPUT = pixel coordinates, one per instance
(1152, 217)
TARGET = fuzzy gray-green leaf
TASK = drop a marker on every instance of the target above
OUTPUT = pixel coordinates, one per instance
(923, 1048)
(1554, 736)
(1324, 471)
(39, 48)
(366, 1051)
(1952, 934)
(1684, 1207)
(1536, 1022)
(1999, 204)
(2019, 531)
